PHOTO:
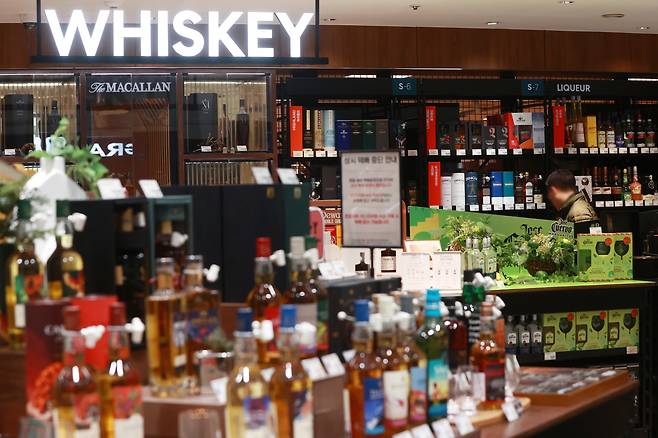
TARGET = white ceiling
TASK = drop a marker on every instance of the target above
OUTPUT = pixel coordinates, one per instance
(583, 15)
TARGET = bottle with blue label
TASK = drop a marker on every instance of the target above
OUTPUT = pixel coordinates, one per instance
(433, 340)
(365, 379)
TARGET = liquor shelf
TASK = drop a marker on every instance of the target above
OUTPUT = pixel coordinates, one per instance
(212, 156)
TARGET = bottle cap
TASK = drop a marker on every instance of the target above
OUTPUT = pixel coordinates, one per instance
(407, 304)
(297, 246)
(386, 307)
(117, 314)
(288, 316)
(263, 247)
(361, 311)
(24, 209)
(244, 320)
(63, 208)
(194, 258)
(432, 300)
(71, 318)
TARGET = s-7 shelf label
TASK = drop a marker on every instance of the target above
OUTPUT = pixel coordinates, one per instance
(532, 87)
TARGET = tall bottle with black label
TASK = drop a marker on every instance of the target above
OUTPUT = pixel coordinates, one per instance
(511, 339)
(529, 189)
(538, 190)
(536, 335)
(485, 190)
(523, 335)
(242, 135)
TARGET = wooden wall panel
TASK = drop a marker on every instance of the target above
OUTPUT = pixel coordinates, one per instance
(644, 53)
(588, 51)
(480, 49)
(16, 45)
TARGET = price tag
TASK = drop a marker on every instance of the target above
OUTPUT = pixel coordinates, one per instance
(639, 203)
(206, 148)
(603, 150)
(509, 206)
(619, 203)
(332, 153)
(433, 152)
(443, 429)
(593, 151)
(473, 208)
(517, 151)
(218, 387)
(518, 207)
(609, 203)
(502, 151)
(461, 152)
(476, 152)
(320, 153)
(559, 151)
(584, 151)
(498, 207)
(333, 365)
(262, 175)
(151, 188)
(632, 349)
(632, 150)
(242, 148)
(599, 204)
(348, 355)
(309, 153)
(622, 151)
(530, 206)
(628, 203)
(445, 152)
(10, 152)
(510, 411)
(422, 431)
(491, 151)
(460, 207)
(644, 150)
(314, 368)
(550, 355)
(405, 434)
(287, 176)
(412, 153)
(464, 425)
(266, 373)
(486, 207)
(653, 150)
(572, 151)
(111, 188)
(541, 206)
(539, 151)
(297, 154)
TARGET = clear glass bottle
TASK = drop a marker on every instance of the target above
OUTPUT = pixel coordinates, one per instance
(536, 335)
(433, 340)
(489, 358)
(362, 269)
(416, 362)
(203, 329)
(511, 336)
(248, 398)
(291, 388)
(76, 401)
(364, 379)
(523, 336)
(264, 299)
(321, 299)
(166, 334)
(24, 280)
(625, 187)
(120, 383)
(65, 268)
(388, 261)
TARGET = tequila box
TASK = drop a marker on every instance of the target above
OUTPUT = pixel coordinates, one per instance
(623, 328)
(606, 256)
(559, 330)
(592, 330)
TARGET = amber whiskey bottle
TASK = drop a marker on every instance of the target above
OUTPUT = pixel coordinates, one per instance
(64, 269)
(415, 360)
(488, 358)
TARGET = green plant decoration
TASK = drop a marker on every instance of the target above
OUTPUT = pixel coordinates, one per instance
(9, 195)
(84, 167)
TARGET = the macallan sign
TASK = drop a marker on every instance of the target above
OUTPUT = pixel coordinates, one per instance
(178, 35)
(130, 87)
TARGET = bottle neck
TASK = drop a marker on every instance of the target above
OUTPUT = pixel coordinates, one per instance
(362, 337)
(287, 345)
(193, 277)
(298, 270)
(164, 282)
(64, 233)
(386, 339)
(23, 240)
(119, 344)
(487, 327)
(74, 348)
(245, 348)
(263, 271)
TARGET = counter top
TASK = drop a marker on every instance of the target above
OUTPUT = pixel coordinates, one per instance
(573, 285)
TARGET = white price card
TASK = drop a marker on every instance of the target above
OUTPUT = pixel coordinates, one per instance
(653, 150)
(111, 188)
(541, 206)
(519, 151)
(422, 431)
(405, 434)
(491, 151)
(206, 148)
(632, 150)
(619, 203)
(445, 152)
(632, 349)
(433, 152)
(572, 151)
(639, 203)
(333, 365)
(241, 148)
(530, 206)
(609, 203)
(519, 206)
(645, 150)
(593, 151)
(603, 151)
(150, 188)
(262, 175)
(460, 207)
(476, 152)
(502, 151)
(348, 355)
(461, 152)
(297, 154)
(622, 151)
(498, 207)
(509, 409)
(332, 153)
(218, 387)
(309, 153)
(412, 153)
(550, 355)
(559, 151)
(314, 368)
(287, 176)
(320, 153)
(599, 204)
(628, 203)
(473, 208)
(10, 152)
(443, 429)
(464, 425)
(486, 207)
(584, 151)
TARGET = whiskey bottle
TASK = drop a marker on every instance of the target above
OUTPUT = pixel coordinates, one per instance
(519, 188)
(242, 127)
(166, 334)
(538, 188)
(247, 393)
(490, 258)
(321, 299)
(636, 186)
(299, 293)
(415, 360)
(76, 402)
(536, 336)
(364, 379)
(649, 189)
(290, 387)
(457, 328)
(396, 371)
(362, 269)
(489, 359)
(24, 279)
(264, 299)
(580, 126)
(620, 134)
(203, 330)
(606, 190)
(640, 131)
(523, 335)
(629, 132)
(120, 384)
(615, 190)
(64, 269)
(166, 246)
(597, 190)
(625, 187)
(651, 133)
(433, 340)
(601, 133)
(485, 190)
(388, 261)
(529, 190)
(610, 135)
(52, 119)
(511, 336)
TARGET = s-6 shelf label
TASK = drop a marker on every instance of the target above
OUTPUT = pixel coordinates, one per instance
(532, 87)
(404, 86)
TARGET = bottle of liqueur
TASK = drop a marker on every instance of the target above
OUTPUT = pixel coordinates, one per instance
(529, 190)
(264, 299)
(242, 127)
(625, 187)
(415, 360)
(396, 371)
(601, 132)
(433, 340)
(362, 269)
(298, 292)
(651, 133)
(629, 132)
(247, 394)
(457, 328)
(649, 189)
(619, 133)
(203, 330)
(490, 258)
(536, 336)
(597, 190)
(364, 379)
(640, 131)
(485, 190)
(76, 403)
(53, 119)
(120, 384)
(166, 334)
(489, 359)
(523, 335)
(519, 188)
(615, 189)
(290, 387)
(580, 126)
(388, 261)
(24, 280)
(511, 336)
(468, 255)
(478, 256)
(610, 135)
(166, 246)
(321, 299)
(636, 186)
(606, 189)
(569, 124)
(64, 269)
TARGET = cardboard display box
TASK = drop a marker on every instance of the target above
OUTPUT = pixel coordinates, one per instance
(559, 332)
(623, 328)
(592, 330)
(606, 256)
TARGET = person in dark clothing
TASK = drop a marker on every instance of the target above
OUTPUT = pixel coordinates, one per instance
(572, 205)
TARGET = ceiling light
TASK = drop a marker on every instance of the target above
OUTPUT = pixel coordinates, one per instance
(613, 15)
(414, 7)
(643, 79)
(328, 19)
(644, 28)
(493, 23)
(566, 2)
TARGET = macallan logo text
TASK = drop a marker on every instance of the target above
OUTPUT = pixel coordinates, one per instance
(574, 88)
(130, 87)
(185, 40)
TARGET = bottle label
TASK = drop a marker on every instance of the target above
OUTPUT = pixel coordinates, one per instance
(580, 133)
(396, 398)
(128, 419)
(307, 313)
(323, 325)
(511, 338)
(536, 337)
(85, 421)
(302, 423)
(494, 380)
(66, 240)
(525, 337)
(28, 287)
(254, 415)
(73, 283)
(418, 395)
(437, 387)
(388, 264)
(178, 338)
(273, 313)
(202, 326)
(373, 406)
(362, 274)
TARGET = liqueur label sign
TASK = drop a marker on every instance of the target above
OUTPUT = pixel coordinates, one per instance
(177, 33)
